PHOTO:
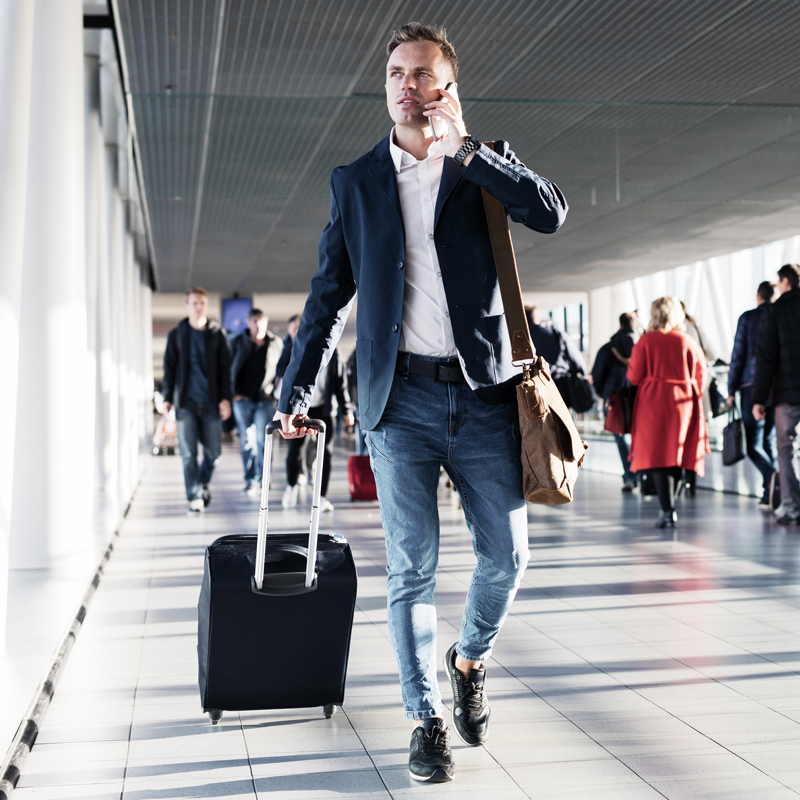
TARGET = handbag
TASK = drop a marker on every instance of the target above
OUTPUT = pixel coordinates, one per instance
(716, 399)
(615, 415)
(733, 438)
(551, 450)
(576, 389)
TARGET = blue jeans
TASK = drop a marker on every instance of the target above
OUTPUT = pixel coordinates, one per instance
(198, 425)
(252, 419)
(760, 437)
(787, 418)
(426, 424)
(623, 445)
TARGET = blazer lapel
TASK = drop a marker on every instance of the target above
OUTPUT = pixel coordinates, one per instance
(451, 175)
(382, 170)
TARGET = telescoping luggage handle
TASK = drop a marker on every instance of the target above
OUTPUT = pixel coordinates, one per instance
(288, 583)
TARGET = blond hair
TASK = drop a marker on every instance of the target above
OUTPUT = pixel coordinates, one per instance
(666, 312)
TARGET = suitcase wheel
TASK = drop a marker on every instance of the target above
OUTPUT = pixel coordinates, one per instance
(214, 714)
(329, 710)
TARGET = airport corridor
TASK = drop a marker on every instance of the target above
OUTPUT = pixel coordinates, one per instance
(636, 663)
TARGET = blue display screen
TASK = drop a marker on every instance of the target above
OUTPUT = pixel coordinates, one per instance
(234, 313)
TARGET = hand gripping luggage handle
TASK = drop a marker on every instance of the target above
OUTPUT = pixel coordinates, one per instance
(289, 582)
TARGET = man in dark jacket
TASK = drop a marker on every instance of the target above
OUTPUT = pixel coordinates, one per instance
(436, 381)
(778, 370)
(760, 434)
(609, 376)
(254, 358)
(197, 382)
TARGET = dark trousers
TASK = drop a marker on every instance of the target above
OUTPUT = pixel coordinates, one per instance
(666, 480)
(760, 438)
(198, 425)
(296, 449)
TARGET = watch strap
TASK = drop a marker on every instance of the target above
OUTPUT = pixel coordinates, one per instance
(469, 146)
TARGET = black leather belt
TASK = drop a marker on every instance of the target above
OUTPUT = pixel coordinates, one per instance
(448, 372)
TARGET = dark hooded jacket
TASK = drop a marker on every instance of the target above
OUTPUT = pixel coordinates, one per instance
(176, 364)
(778, 352)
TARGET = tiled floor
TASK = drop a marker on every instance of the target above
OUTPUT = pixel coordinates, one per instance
(636, 663)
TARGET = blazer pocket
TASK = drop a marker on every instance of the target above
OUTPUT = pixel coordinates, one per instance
(364, 367)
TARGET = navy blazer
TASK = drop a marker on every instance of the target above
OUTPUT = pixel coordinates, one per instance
(362, 250)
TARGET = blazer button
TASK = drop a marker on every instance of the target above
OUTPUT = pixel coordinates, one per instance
(395, 328)
(400, 265)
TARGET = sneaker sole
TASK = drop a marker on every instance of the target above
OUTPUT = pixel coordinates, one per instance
(437, 776)
(455, 727)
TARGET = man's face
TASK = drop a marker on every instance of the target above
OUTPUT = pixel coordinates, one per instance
(196, 307)
(292, 327)
(784, 285)
(257, 326)
(414, 74)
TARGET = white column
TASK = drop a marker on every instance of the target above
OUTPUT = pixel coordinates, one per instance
(724, 327)
(51, 504)
(16, 60)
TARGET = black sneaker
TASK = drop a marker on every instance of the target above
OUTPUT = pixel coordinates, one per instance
(431, 758)
(206, 495)
(470, 709)
(788, 519)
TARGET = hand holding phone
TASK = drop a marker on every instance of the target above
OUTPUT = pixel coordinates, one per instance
(433, 130)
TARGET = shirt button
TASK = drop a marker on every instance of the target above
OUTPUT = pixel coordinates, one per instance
(430, 236)
(447, 313)
(438, 274)
(399, 265)
(395, 328)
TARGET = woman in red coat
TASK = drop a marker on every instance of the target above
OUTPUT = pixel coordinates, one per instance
(668, 431)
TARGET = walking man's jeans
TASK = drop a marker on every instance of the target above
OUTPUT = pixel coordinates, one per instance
(760, 436)
(426, 424)
(198, 425)
(252, 419)
(787, 419)
(623, 445)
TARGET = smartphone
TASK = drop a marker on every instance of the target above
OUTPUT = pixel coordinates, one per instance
(433, 130)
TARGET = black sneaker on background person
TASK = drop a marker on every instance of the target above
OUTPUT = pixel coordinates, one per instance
(431, 758)
(206, 495)
(470, 709)
(788, 519)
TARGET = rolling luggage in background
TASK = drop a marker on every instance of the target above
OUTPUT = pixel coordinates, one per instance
(275, 613)
(360, 479)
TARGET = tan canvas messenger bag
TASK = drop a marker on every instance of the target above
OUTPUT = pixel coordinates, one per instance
(552, 450)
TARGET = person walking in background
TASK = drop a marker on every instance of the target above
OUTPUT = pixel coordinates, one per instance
(436, 383)
(759, 434)
(556, 349)
(696, 332)
(330, 396)
(254, 359)
(669, 429)
(197, 381)
(778, 371)
(286, 355)
(609, 375)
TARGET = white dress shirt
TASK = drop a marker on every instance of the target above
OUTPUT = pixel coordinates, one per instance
(426, 328)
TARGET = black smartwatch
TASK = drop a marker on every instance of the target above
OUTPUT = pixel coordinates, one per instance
(470, 144)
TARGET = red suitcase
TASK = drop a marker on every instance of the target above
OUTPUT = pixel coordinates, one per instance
(361, 479)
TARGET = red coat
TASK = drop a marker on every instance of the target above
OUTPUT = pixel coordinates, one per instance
(668, 428)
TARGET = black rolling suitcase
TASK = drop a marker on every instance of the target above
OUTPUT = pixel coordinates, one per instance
(275, 614)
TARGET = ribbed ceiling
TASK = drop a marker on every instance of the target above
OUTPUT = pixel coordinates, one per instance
(673, 127)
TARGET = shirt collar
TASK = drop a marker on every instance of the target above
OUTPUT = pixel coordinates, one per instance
(403, 159)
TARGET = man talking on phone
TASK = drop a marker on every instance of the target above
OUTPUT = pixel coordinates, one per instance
(436, 385)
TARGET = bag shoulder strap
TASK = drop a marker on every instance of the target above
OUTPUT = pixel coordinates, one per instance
(508, 277)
